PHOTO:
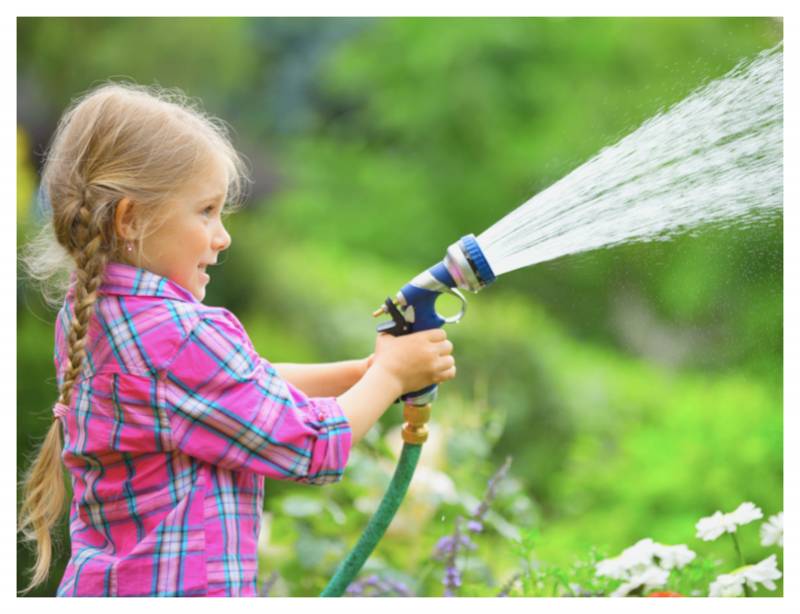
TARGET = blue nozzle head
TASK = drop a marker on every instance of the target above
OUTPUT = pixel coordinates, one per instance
(476, 261)
(467, 265)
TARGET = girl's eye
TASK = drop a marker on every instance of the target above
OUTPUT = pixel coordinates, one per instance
(208, 210)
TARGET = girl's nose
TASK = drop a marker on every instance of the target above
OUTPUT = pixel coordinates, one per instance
(222, 240)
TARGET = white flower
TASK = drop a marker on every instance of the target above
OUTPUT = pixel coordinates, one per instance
(732, 584)
(639, 557)
(745, 513)
(650, 578)
(711, 527)
(764, 572)
(635, 558)
(727, 585)
(772, 531)
(646, 563)
(673, 556)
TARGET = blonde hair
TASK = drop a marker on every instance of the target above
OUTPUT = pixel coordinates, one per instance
(118, 140)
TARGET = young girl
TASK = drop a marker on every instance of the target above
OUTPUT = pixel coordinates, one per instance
(171, 420)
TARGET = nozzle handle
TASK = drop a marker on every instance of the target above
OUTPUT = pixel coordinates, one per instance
(398, 325)
(419, 312)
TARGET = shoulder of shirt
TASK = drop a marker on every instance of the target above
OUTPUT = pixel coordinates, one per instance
(175, 320)
(210, 327)
(192, 315)
(200, 320)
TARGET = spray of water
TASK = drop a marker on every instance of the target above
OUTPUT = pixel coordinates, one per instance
(715, 157)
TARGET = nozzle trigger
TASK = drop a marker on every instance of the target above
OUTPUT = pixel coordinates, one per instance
(398, 326)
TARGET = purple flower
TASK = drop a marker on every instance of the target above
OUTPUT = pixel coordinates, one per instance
(374, 586)
(474, 526)
(451, 580)
(446, 546)
(443, 547)
(399, 587)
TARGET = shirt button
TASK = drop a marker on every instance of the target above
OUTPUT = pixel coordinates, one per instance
(321, 416)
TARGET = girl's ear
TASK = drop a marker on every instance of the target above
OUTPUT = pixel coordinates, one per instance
(123, 219)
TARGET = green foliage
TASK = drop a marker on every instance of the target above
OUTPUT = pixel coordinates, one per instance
(69, 55)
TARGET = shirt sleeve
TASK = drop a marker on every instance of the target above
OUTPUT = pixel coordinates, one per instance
(227, 406)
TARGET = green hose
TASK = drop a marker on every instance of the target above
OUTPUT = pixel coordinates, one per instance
(350, 566)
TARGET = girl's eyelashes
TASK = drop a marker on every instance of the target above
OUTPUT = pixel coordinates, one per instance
(208, 210)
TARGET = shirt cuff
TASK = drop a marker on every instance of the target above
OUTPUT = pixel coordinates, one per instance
(334, 440)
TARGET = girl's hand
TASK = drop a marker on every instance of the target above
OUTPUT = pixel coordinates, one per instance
(417, 360)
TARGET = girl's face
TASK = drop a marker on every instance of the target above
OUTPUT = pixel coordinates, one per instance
(192, 236)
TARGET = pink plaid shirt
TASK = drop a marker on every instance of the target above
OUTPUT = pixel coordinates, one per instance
(172, 427)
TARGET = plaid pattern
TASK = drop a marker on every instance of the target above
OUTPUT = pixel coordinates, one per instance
(173, 425)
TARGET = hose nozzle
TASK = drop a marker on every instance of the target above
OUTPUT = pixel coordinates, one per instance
(414, 309)
(464, 267)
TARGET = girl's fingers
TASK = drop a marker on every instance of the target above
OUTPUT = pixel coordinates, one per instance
(446, 375)
(446, 362)
(446, 347)
(436, 334)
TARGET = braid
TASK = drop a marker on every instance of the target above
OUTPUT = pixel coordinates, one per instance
(44, 492)
(90, 264)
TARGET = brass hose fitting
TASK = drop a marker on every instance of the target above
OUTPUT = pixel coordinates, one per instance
(415, 430)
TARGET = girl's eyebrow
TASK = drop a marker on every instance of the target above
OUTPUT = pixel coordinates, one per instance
(213, 199)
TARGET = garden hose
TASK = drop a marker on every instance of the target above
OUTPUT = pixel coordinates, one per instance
(413, 309)
(380, 521)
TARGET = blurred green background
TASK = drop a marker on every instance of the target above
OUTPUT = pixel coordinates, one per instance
(637, 388)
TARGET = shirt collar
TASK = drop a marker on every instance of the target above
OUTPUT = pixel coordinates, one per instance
(126, 280)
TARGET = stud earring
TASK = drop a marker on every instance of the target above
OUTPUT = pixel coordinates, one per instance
(129, 246)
